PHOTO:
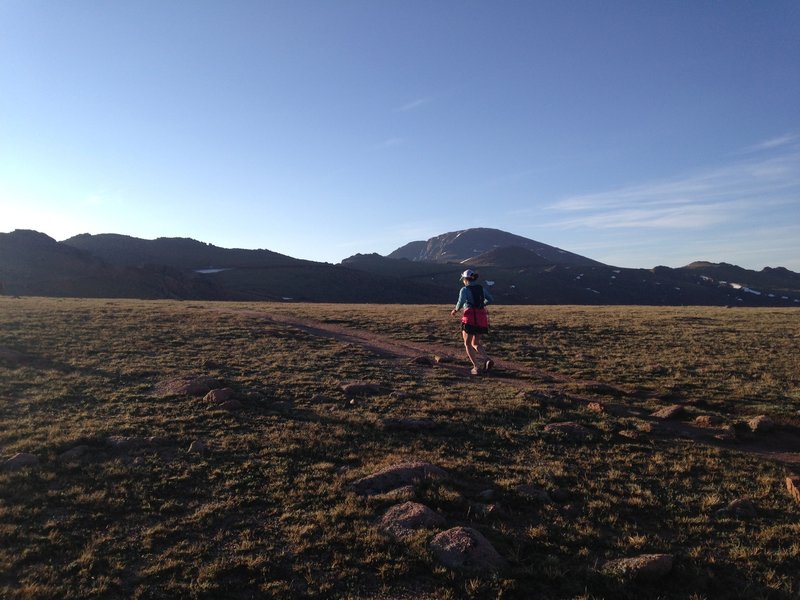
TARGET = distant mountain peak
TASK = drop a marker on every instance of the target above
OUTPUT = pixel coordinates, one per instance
(466, 245)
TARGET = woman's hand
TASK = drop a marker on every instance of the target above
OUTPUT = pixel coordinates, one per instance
(453, 312)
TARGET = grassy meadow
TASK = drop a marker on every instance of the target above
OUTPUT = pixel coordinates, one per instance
(267, 510)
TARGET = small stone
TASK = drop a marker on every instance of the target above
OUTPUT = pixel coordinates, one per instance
(487, 495)
(197, 447)
(442, 359)
(647, 567)
(21, 460)
(402, 519)
(761, 424)
(571, 430)
(466, 549)
(219, 395)
(421, 360)
(707, 420)
(793, 486)
(281, 406)
(534, 492)
(231, 405)
(604, 389)
(740, 508)
(669, 413)
(597, 407)
(73, 454)
(487, 511)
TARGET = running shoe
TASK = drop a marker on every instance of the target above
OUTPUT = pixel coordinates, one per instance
(489, 364)
(474, 371)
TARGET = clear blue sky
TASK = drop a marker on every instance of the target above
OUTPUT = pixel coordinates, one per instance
(637, 133)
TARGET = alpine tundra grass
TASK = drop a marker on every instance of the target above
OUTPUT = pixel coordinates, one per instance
(268, 509)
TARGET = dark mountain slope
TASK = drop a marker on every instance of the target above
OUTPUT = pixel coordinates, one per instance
(507, 257)
(33, 263)
(180, 253)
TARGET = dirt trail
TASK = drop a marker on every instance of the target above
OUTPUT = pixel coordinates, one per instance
(782, 447)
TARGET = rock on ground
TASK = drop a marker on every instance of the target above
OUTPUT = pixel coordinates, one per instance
(793, 486)
(359, 388)
(761, 424)
(197, 447)
(707, 420)
(644, 567)
(124, 443)
(739, 508)
(231, 405)
(402, 519)
(534, 492)
(397, 475)
(219, 395)
(73, 453)
(421, 360)
(570, 430)
(21, 460)
(188, 385)
(668, 413)
(466, 549)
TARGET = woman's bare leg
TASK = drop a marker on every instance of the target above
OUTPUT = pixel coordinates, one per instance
(472, 353)
(477, 343)
(480, 351)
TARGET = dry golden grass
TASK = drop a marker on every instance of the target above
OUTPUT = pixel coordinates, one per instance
(267, 511)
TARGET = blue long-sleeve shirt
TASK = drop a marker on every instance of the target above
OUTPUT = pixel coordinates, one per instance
(465, 297)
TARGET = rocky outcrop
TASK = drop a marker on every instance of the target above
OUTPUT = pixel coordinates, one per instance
(402, 519)
(186, 385)
(646, 567)
(466, 549)
(397, 475)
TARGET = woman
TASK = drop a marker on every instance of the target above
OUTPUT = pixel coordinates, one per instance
(475, 320)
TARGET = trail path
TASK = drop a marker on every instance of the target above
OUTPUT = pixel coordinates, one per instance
(782, 446)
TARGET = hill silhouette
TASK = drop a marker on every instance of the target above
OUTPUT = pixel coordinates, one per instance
(468, 244)
(520, 271)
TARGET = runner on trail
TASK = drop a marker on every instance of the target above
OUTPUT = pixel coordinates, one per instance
(475, 320)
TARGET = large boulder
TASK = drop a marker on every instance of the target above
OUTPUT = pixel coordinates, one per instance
(402, 519)
(186, 385)
(397, 475)
(646, 567)
(466, 549)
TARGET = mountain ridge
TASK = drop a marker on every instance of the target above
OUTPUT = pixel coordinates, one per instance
(522, 271)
